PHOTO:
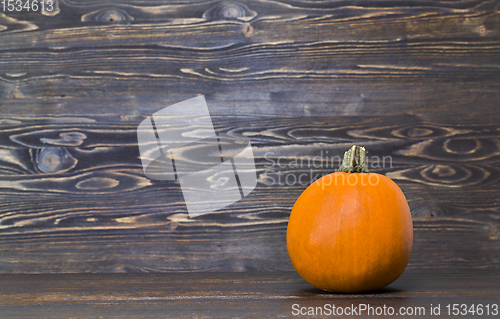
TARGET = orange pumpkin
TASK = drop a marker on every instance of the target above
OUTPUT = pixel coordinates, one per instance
(350, 231)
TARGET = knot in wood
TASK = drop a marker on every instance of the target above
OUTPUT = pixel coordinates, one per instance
(229, 11)
(50, 159)
(108, 15)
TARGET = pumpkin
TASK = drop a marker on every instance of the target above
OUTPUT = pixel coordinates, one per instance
(350, 231)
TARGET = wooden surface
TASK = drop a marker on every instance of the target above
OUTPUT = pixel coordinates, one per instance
(415, 80)
(235, 295)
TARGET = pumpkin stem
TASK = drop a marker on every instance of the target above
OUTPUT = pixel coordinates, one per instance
(354, 161)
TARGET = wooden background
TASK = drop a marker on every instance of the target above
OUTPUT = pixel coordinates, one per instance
(417, 80)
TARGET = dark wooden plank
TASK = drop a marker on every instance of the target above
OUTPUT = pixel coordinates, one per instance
(253, 21)
(128, 101)
(121, 221)
(414, 80)
(148, 229)
(230, 295)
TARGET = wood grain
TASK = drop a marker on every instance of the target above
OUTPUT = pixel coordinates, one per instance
(230, 295)
(417, 81)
